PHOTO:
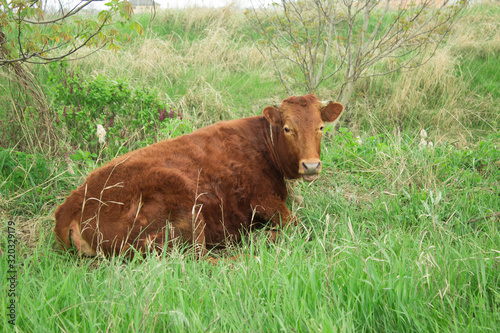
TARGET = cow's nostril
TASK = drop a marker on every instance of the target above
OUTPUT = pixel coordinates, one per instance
(311, 167)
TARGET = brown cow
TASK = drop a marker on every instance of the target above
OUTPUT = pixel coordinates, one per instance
(201, 188)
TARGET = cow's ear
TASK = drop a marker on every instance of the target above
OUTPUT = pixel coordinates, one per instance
(273, 115)
(331, 111)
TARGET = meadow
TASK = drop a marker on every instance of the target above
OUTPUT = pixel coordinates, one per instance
(399, 234)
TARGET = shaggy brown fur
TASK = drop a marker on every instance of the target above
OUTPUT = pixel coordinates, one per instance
(200, 188)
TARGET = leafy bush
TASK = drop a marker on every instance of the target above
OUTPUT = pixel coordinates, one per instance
(127, 113)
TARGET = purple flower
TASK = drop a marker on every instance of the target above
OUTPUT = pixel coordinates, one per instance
(57, 119)
(64, 111)
(111, 121)
(123, 133)
(171, 115)
(162, 114)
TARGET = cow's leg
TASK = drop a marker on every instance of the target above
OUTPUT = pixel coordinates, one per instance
(196, 231)
(171, 210)
(192, 229)
(80, 244)
(277, 213)
(179, 231)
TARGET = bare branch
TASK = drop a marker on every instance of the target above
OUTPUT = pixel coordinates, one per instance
(64, 16)
(345, 39)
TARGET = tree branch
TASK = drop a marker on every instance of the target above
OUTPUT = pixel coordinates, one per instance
(72, 12)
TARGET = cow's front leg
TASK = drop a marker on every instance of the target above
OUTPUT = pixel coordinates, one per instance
(277, 213)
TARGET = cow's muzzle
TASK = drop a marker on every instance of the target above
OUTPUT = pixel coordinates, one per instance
(310, 170)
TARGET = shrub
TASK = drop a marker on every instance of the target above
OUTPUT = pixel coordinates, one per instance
(130, 115)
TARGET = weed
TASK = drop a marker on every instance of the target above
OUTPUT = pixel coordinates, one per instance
(125, 114)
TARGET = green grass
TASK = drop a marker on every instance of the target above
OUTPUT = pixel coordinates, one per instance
(394, 237)
(362, 279)
(484, 74)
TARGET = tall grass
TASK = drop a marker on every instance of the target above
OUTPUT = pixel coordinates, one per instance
(455, 95)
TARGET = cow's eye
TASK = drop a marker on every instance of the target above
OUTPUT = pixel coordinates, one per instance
(286, 129)
(322, 128)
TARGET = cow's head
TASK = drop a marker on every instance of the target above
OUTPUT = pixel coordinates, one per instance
(299, 123)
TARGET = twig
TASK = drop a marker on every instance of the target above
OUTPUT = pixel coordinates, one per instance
(497, 214)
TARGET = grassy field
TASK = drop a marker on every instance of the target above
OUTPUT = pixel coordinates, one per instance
(400, 233)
